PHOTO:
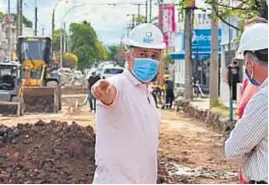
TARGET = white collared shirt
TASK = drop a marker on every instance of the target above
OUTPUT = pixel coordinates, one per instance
(127, 134)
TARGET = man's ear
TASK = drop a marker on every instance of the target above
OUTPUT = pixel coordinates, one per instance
(127, 56)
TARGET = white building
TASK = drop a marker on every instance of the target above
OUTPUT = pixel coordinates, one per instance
(4, 50)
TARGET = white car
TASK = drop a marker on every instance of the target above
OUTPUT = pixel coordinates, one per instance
(110, 71)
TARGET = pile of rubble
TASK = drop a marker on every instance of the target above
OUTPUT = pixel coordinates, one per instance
(56, 152)
(52, 152)
(72, 78)
(170, 172)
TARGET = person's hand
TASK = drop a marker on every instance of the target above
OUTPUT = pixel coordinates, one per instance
(104, 91)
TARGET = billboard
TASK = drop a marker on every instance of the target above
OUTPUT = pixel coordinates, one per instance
(201, 42)
(167, 22)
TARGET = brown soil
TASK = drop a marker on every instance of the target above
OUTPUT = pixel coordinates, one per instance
(58, 153)
(52, 152)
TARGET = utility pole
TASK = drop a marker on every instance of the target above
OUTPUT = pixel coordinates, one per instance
(43, 30)
(20, 17)
(138, 22)
(231, 89)
(9, 30)
(138, 11)
(146, 8)
(150, 10)
(188, 95)
(133, 19)
(53, 24)
(214, 64)
(64, 40)
(35, 18)
(61, 49)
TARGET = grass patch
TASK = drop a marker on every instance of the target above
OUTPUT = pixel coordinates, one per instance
(223, 110)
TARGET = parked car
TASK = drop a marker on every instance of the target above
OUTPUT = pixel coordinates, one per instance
(110, 71)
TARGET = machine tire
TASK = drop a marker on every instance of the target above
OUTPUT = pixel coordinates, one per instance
(57, 86)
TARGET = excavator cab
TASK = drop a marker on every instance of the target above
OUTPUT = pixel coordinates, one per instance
(40, 92)
(10, 83)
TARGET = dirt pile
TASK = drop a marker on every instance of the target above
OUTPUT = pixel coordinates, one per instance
(56, 152)
(52, 152)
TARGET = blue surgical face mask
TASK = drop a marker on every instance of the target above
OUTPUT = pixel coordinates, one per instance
(145, 69)
(250, 77)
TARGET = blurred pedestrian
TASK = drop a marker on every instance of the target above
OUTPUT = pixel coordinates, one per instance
(127, 118)
(92, 80)
(248, 141)
(169, 97)
(233, 78)
(154, 92)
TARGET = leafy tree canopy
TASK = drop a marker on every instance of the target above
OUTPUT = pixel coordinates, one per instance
(85, 44)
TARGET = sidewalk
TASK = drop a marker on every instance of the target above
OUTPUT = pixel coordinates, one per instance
(217, 117)
(204, 103)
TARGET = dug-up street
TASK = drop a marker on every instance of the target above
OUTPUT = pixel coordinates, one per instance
(59, 148)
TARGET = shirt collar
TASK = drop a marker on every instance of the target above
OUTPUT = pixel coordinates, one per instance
(131, 78)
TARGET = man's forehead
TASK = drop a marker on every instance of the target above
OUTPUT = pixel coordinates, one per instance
(147, 50)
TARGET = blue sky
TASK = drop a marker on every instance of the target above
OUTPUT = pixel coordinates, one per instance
(108, 21)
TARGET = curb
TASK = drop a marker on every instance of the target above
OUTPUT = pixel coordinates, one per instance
(212, 119)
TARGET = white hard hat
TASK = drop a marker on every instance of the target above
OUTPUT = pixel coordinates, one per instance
(253, 38)
(146, 35)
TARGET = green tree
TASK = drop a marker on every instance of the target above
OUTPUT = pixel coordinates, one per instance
(116, 53)
(113, 51)
(56, 40)
(25, 21)
(103, 54)
(244, 10)
(85, 44)
(2, 15)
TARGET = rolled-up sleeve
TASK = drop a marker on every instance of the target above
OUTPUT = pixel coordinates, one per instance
(250, 129)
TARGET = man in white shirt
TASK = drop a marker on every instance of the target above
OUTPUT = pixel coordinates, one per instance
(127, 118)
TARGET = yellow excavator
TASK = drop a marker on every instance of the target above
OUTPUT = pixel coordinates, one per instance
(30, 82)
(40, 89)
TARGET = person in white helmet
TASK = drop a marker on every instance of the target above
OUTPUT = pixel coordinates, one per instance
(248, 141)
(127, 117)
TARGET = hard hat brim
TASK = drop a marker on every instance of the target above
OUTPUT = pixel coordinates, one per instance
(239, 53)
(129, 42)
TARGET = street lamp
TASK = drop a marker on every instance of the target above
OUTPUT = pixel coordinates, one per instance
(53, 16)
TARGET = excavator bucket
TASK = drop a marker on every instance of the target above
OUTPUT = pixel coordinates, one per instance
(10, 108)
(40, 99)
